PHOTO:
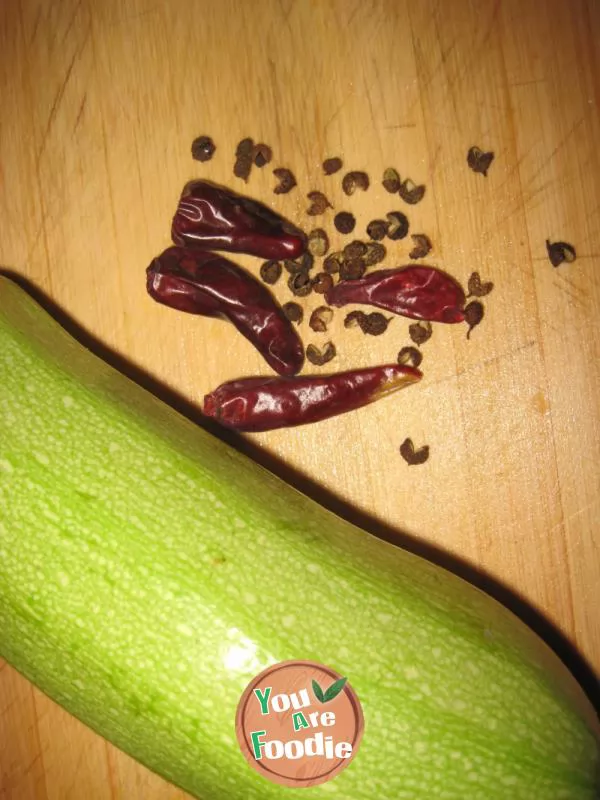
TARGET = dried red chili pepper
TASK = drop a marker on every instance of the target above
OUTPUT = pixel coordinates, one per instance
(418, 292)
(210, 285)
(210, 217)
(263, 404)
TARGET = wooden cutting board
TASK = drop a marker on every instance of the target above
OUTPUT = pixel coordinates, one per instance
(100, 102)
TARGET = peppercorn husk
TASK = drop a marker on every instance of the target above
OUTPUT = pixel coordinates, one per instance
(320, 356)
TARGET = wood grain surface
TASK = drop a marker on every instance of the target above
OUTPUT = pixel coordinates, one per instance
(100, 101)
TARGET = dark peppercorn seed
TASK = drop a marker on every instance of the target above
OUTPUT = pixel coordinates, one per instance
(332, 165)
(345, 222)
(203, 148)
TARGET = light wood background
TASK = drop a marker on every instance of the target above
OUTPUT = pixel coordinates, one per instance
(99, 103)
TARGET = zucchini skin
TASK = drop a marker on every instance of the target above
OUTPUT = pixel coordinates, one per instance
(148, 571)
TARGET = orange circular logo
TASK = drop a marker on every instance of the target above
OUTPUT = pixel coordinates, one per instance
(299, 723)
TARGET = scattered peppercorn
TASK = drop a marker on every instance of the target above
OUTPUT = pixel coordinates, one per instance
(412, 456)
(355, 180)
(244, 157)
(203, 148)
(293, 267)
(300, 283)
(377, 229)
(352, 269)
(320, 319)
(245, 147)
(410, 192)
(293, 311)
(270, 271)
(332, 165)
(286, 179)
(307, 261)
(353, 319)
(345, 222)
(474, 312)
(479, 161)
(355, 249)
(422, 245)
(318, 242)
(391, 180)
(374, 324)
(303, 264)
(322, 282)
(242, 168)
(410, 356)
(420, 332)
(318, 203)
(262, 154)
(375, 253)
(559, 252)
(477, 288)
(398, 225)
(320, 356)
(332, 263)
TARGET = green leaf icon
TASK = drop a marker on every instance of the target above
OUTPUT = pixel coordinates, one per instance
(334, 689)
(318, 692)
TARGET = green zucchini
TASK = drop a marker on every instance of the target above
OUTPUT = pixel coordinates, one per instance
(148, 571)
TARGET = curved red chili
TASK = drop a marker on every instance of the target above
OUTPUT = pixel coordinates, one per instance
(211, 217)
(263, 404)
(207, 284)
(419, 292)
